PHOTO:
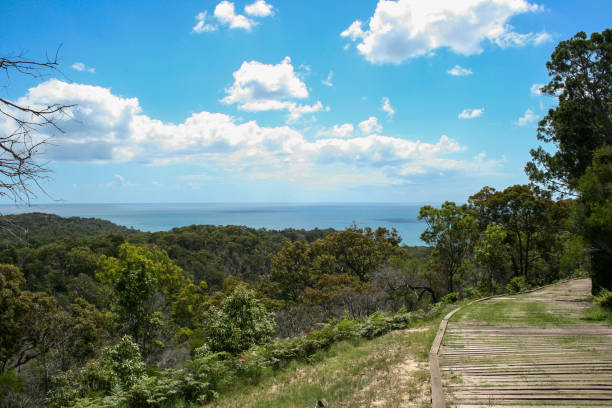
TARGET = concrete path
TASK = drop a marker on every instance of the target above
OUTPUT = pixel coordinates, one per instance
(525, 350)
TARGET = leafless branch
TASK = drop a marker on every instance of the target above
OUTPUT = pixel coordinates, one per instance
(24, 137)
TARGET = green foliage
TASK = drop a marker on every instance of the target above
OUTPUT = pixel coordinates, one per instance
(209, 373)
(592, 217)
(241, 322)
(452, 297)
(531, 221)
(9, 382)
(492, 252)
(602, 310)
(452, 231)
(581, 79)
(142, 283)
(125, 361)
(517, 285)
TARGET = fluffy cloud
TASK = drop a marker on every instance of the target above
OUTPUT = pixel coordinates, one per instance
(471, 113)
(341, 131)
(536, 89)
(458, 70)
(370, 125)
(262, 87)
(79, 66)
(386, 106)
(259, 9)
(256, 81)
(404, 29)
(328, 81)
(201, 26)
(104, 128)
(354, 31)
(527, 118)
(226, 14)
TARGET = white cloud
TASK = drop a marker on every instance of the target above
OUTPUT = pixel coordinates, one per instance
(471, 113)
(458, 70)
(259, 9)
(386, 106)
(105, 128)
(513, 39)
(403, 29)
(201, 26)
(341, 131)
(536, 89)
(256, 81)
(370, 125)
(79, 66)
(527, 118)
(328, 81)
(225, 13)
(262, 87)
(354, 31)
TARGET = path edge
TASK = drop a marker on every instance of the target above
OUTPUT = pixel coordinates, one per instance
(437, 393)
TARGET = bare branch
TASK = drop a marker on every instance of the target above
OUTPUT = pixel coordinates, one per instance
(22, 141)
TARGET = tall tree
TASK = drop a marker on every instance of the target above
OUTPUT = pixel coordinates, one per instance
(492, 253)
(142, 283)
(592, 216)
(527, 214)
(581, 71)
(452, 231)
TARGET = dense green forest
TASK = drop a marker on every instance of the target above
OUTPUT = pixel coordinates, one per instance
(94, 314)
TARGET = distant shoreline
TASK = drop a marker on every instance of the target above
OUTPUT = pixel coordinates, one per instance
(153, 217)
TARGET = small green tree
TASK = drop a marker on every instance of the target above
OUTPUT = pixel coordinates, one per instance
(492, 252)
(452, 231)
(241, 322)
(142, 284)
(592, 216)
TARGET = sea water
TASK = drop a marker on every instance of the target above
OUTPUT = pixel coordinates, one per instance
(163, 217)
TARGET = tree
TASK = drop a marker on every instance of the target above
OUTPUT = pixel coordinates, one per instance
(581, 71)
(592, 217)
(241, 322)
(492, 252)
(142, 283)
(35, 329)
(291, 270)
(21, 138)
(452, 231)
(528, 215)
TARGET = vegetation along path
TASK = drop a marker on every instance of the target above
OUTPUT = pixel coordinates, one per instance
(528, 349)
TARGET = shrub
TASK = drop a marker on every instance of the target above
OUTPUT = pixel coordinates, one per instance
(450, 298)
(471, 293)
(241, 322)
(210, 373)
(516, 285)
(604, 298)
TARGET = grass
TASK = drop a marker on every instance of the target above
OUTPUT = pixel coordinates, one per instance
(513, 313)
(598, 313)
(389, 371)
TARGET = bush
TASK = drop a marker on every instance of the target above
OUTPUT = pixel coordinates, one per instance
(450, 298)
(604, 298)
(517, 285)
(210, 373)
(471, 293)
(241, 322)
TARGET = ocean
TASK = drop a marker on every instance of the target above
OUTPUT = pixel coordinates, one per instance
(162, 217)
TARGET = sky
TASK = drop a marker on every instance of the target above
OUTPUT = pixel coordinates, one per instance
(289, 101)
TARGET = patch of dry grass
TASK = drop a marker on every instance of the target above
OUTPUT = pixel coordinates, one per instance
(390, 371)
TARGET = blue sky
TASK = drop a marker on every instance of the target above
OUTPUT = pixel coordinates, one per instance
(290, 101)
